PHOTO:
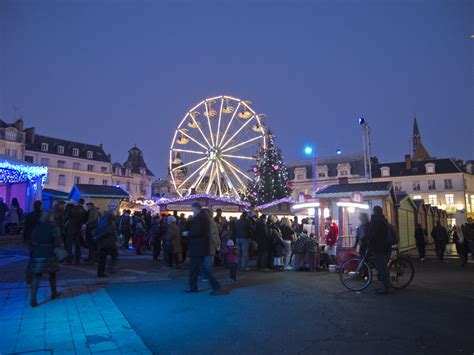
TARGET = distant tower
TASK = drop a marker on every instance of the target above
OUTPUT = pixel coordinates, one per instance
(419, 151)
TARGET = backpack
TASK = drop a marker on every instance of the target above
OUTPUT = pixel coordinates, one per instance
(392, 236)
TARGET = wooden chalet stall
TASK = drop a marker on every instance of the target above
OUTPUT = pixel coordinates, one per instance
(406, 213)
(280, 208)
(101, 196)
(431, 213)
(229, 207)
(421, 214)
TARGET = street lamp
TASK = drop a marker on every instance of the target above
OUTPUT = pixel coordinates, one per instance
(367, 146)
(338, 151)
(308, 150)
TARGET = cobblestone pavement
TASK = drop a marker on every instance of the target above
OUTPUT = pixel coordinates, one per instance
(141, 309)
(83, 320)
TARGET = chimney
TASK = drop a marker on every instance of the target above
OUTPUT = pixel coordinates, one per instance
(19, 124)
(343, 180)
(408, 162)
(30, 135)
(470, 166)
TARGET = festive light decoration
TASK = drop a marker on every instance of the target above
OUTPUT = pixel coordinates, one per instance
(203, 196)
(255, 169)
(270, 180)
(274, 203)
(15, 173)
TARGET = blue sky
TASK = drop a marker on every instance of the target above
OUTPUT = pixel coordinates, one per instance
(125, 72)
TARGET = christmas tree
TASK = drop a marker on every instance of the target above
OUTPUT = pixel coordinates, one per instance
(270, 181)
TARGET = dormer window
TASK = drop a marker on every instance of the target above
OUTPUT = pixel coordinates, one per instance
(60, 149)
(430, 168)
(10, 135)
(90, 154)
(343, 169)
(75, 152)
(323, 171)
(300, 174)
(385, 171)
(44, 147)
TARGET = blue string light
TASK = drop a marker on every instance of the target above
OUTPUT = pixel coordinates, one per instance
(15, 173)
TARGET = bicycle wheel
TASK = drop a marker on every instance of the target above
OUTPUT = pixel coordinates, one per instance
(402, 272)
(355, 275)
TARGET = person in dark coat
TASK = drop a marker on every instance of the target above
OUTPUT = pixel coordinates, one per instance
(3, 212)
(242, 236)
(75, 218)
(263, 245)
(59, 219)
(156, 235)
(380, 247)
(440, 237)
(32, 219)
(44, 239)
(198, 248)
(278, 246)
(106, 237)
(420, 241)
(362, 232)
(91, 224)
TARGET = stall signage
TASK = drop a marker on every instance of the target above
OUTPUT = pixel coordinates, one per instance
(226, 208)
(357, 197)
(177, 207)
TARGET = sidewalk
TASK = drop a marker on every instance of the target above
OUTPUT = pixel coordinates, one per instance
(84, 320)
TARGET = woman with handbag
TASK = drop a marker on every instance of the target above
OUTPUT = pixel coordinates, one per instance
(46, 251)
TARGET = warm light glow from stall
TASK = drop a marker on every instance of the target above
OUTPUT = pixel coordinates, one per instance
(306, 205)
(326, 213)
(353, 205)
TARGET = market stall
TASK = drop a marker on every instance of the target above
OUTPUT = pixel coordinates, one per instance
(228, 206)
(421, 213)
(103, 197)
(22, 181)
(343, 204)
(406, 219)
(280, 208)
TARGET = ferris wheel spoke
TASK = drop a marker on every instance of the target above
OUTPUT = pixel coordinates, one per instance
(188, 151)
(211, 177)
(237, 157)
(194, 173)
(209, 122)
(237, 132)
(230, 122)
(236, 169)
(191, 162)
(200, 130)
(241, 144)
(229, 181)
(219, 187)
(219, 121)
(203, 173)
(194, 140)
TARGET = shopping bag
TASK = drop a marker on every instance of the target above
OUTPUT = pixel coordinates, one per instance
(60, 253)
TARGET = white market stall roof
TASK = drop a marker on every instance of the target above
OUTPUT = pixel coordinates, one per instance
(281, 206)
(210, 201)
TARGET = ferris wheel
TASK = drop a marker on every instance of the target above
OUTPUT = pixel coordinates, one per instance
(215, 145)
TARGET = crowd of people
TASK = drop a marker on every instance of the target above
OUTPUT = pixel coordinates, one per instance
(11, 217)
(207, 239)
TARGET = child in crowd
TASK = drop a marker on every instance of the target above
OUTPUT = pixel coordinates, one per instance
(229, 252)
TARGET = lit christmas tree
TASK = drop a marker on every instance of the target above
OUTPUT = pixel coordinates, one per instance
(270, 181)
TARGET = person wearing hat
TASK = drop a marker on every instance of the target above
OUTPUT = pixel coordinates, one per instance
(198, 248)
(173, 243)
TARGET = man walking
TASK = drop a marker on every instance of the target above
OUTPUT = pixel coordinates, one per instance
(106, 237)
(75, 218)
(380, 247)
(440, 237)
(3, 212)
(198, 248)
(242, 235)
(91, 224)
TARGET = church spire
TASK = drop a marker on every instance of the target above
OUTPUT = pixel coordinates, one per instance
(419, 151)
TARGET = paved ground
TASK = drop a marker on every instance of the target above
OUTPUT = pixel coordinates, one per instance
(142, 309)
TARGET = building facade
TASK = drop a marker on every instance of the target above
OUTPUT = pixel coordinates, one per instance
(133, 175)
(330, 171)
(444, 183)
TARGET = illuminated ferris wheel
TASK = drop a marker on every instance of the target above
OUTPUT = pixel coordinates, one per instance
(215, 145)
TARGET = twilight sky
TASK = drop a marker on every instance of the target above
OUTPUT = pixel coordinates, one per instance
(125, 72)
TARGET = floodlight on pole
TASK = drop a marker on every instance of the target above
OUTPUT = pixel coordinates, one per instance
(309, 150)
(367, 146)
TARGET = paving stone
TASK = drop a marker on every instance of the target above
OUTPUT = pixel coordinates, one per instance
(108, 345)
(96, 331)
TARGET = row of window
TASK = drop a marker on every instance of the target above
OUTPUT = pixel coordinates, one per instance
(433, 199)
(60, 150)
(322, 175)
(448, 185)
(62, 164)
(77, 180)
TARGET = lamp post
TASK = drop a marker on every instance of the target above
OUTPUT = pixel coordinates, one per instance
(367, 146)
(309, 150)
